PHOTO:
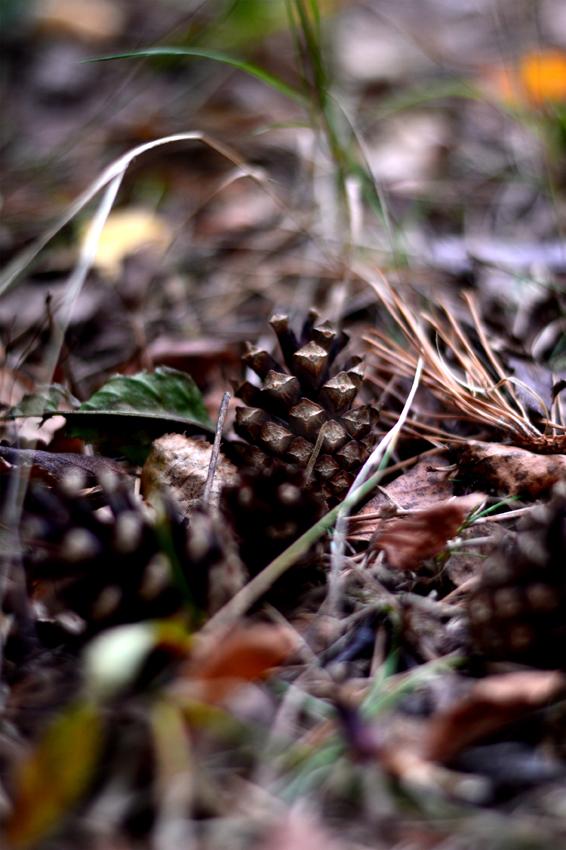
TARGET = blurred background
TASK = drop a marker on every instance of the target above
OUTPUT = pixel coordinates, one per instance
(445, 118)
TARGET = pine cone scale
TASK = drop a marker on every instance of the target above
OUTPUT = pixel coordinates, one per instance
(307, 403)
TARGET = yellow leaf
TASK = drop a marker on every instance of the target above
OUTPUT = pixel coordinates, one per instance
(54, 775)
(127, 231)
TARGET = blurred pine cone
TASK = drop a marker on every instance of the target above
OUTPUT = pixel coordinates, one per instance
(116, 564)
(268, 510)
(518, 611)
(304, 411)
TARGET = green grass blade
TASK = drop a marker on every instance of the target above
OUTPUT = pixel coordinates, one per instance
(216, 56)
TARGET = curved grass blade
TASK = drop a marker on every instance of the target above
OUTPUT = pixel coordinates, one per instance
(216, 56)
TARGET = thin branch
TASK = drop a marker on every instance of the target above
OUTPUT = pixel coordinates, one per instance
(215, 449)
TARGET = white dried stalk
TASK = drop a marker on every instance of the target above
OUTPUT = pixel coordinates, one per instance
(370, 467)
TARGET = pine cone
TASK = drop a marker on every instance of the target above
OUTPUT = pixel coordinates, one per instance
(120, 567)
(213, 568)
(307, 406)
(518, 611)
(268, 510)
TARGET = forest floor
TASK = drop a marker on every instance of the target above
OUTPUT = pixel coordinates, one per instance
(283, 450)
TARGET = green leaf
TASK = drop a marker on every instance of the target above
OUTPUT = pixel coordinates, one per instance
(216, 56)
(125, 415)
(49, 400)
(164, 392)
(55, 775)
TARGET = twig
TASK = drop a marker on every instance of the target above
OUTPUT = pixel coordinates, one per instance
(215, 449)
(465, 587)
(436, 607)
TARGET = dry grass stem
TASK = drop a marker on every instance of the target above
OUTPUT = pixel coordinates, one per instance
(474, 385)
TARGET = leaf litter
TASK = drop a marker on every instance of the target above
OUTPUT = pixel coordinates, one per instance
(343, 623)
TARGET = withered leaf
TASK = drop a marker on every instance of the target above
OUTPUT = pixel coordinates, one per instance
(425, 484)
(408, 539)
(13, 386)
(510, 470)
(202, 357)
(55, 774)
(491, 704)
(244, 654)
(179, 464)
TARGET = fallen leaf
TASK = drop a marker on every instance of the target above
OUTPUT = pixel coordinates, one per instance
(491, 704)
(397, 743)
(407, 540)
(55, 774)
(508, 469)
(130, 411)
(127, 231)
(127, 413)
(179, 465)
(202, 357)
(407, 764)
(245, 654)
(52, 398)
(165, 391)
(425, 484)
(13, 385)
(35, 431)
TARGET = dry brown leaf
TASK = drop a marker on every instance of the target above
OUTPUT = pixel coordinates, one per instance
(408, 540)
(244, 654)
(13, 385)
(53, 775)
(510, 470)
(202, 358)
(425, 484)
(179, 465)
(491, 704)
(398, 746)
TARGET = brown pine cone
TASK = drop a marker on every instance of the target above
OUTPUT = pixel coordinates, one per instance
(213, 569)
(268, 510)
(119, 564)
(518, 611)
(303, 413)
